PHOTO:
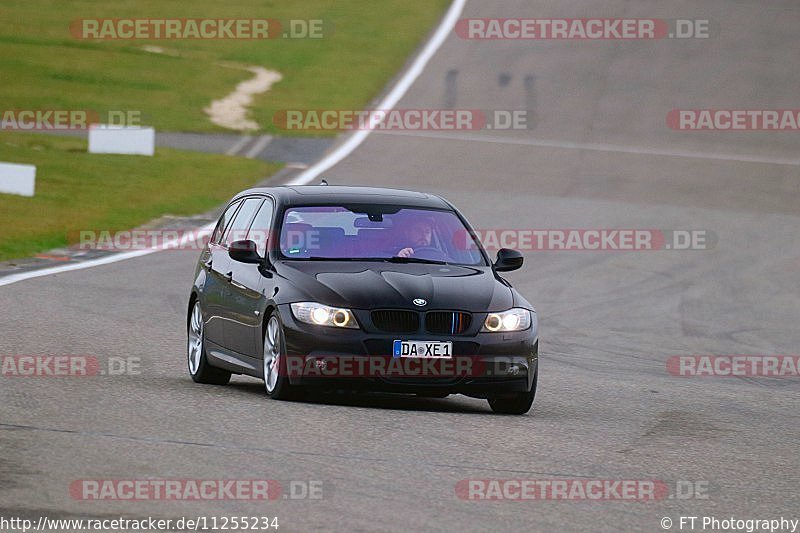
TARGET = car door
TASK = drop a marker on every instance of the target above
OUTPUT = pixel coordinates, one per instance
(249, 288)
(215, 261)
(234, 318)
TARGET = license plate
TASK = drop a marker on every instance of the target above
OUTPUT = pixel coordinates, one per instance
(423, 349)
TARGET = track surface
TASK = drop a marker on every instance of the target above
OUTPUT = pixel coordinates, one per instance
(607, 408)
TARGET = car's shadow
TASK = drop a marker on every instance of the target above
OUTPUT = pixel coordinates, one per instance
(376, 400)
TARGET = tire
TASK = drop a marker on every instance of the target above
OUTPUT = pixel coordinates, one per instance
(518, 404)
(199, 368)
(276, 379)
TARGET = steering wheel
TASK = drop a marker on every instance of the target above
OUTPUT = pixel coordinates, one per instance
(429, 252)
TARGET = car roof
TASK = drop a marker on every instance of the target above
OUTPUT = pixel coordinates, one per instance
(325, 194)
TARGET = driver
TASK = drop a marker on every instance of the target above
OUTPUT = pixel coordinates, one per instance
(417, 234)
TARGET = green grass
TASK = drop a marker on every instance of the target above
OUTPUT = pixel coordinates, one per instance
(44, 67)
(77, 191)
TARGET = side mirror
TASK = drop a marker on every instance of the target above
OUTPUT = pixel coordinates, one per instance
(244, 252)
(508, 260)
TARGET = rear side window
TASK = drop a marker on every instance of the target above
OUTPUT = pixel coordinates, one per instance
(237, 230)
(224, 222)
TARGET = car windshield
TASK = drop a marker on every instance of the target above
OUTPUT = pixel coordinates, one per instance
(381, 233)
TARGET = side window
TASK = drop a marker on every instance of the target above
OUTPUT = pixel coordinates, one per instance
(237, 230)
(223, 223)
(260, 228)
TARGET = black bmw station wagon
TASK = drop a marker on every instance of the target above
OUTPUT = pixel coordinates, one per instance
(362, 289)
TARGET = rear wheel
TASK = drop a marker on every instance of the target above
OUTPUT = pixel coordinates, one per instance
(199, 369)
(518, 404)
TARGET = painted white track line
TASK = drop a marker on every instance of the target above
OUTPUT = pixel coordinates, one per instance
(238, 145)
(596, 147)
(257, 148)
(346, 148)
(190, 236)
(391, 99)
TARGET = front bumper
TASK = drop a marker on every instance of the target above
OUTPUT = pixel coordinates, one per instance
(483, 364)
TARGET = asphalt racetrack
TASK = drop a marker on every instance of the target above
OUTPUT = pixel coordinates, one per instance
(599, 154)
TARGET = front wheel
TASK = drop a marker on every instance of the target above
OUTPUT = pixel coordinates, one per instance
(276, 379)
(199, 369)
(518, 404)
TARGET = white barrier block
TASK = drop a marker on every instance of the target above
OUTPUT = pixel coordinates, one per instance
(105, 139)
(17, 179)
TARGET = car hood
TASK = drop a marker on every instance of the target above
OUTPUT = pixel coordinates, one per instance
(385, 285)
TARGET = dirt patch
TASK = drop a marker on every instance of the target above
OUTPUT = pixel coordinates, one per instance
(231, 111)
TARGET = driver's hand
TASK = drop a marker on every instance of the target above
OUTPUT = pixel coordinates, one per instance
(405, 252)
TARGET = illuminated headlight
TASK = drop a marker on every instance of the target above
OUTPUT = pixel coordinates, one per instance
(322, 315)
(516, 319)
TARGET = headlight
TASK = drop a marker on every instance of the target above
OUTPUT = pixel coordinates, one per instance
(516, 319)
(322, 315)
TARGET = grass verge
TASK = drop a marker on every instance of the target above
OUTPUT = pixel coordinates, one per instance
(77, 191)
(364, 44)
